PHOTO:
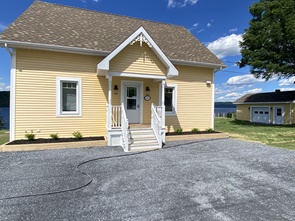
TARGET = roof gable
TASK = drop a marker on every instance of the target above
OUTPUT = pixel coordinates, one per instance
(142, 36)
(284, 96)
(56, 25)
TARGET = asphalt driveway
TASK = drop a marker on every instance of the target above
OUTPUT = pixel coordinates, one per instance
(190, 180)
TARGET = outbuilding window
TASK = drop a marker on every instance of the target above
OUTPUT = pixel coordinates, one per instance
(68, 97)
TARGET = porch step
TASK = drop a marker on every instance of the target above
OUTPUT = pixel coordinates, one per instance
(143, 139)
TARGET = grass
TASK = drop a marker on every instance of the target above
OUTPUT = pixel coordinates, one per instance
(273, 135)
(4, 136)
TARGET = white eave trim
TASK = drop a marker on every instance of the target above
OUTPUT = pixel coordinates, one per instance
(276, 102)
(104, 66)
(136, 75)
(50, 47)
(198, 64)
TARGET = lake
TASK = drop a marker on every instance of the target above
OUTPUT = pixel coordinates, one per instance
(4, 111)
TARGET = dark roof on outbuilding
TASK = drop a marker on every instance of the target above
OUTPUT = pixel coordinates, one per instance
(47, 23)
(279, 96)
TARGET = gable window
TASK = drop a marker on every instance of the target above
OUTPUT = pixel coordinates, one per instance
(170, 99)
(68, 97)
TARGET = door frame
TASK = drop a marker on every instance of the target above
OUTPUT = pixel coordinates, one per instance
(275, 113)
(125, 83)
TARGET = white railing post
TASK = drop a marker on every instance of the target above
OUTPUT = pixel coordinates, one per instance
(125, 129)
(156, 124)
(163, 129)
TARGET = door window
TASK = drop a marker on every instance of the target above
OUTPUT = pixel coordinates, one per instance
(131, 98)
(279, 112)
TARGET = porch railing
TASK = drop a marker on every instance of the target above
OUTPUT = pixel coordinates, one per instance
(116, 116)
(156, 123)
(125, 129)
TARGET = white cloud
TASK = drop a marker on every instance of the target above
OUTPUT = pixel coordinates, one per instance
(254, 91)
(226, 46)
(287, 88)
(201, 30)
(209, 25)
(95, 0)
(244, 79)
(287, 81)
(232, 96)
(233, 30)
(182, 3)
(4, 87)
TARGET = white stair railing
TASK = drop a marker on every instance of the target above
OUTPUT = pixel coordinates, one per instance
(125, 129)
(156, 124)
(116, 116)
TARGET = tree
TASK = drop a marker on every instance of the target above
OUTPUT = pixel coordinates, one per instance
(268, 45)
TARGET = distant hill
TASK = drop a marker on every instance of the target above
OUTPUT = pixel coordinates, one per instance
(224, 105)
(4, 98)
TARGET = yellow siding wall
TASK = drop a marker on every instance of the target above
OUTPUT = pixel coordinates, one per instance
(243, 112)
(36, 94)
(194, 106)
(136, 59)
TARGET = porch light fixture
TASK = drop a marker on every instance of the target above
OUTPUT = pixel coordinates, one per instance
(116, 87)
(248, 108)
(147, 89)
(208, 82)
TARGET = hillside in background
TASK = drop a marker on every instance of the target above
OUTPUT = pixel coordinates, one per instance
(4, 98)
(224, 105)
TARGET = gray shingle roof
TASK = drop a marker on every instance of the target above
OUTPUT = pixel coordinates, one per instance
(283, 96)
(53, 24)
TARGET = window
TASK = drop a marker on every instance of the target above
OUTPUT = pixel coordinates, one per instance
(68, 97)
(170, 99)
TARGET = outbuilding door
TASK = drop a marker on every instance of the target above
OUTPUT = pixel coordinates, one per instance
(278, 117)
(260, 115)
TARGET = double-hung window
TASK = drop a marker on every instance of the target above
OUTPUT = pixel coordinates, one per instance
(170, 99)
(68, 96)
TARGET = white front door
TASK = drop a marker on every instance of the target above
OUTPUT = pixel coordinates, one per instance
(132, 102)
(278, 115)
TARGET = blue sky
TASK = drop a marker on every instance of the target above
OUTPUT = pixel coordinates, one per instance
(217, 24)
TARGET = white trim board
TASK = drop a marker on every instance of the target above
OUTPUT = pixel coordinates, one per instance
(136, 75)
(12, 96)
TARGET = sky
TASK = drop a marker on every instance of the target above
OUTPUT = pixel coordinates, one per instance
(219, 25)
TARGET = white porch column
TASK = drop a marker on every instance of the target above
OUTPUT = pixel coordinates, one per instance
(109, 115)
(163, 130)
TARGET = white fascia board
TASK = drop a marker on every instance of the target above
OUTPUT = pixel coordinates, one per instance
(105, 63)
(198, 64)
(136, 75)
(50, 47)
(277, 102)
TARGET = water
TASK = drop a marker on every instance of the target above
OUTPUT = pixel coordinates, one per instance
(4, 111)
(224, 110)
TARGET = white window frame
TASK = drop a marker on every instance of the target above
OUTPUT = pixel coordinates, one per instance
(59, 112)
(174, 99)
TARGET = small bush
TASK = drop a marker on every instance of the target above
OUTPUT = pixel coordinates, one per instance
(179, 131)
(210, 130)
(195, 130)
(78, 135)
(30, 136)
(54, 136)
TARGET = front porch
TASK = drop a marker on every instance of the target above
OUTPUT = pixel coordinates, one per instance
(133, 121)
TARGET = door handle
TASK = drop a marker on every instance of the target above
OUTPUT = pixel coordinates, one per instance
(137, 106)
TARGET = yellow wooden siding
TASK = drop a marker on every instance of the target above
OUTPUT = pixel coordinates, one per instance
(136, 59)
(36, 94)
(194, 99)
(243, 111)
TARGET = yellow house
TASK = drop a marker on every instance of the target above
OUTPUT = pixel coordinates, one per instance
(270, 108)
(127, 79)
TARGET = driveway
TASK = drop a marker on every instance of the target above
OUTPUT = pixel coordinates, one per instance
(190, 180)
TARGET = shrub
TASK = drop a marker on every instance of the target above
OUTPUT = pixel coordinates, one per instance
(195, 130)
(54, 136)
(210, 130)
(78, 135)
(179, 131)
(30, 136)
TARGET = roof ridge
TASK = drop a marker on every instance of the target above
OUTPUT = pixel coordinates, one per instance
(106, 13)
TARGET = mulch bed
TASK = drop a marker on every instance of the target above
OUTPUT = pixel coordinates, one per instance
(59, 140)
(190, 133)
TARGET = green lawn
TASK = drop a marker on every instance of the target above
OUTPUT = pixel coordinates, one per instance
(4, 136)
(273, 135)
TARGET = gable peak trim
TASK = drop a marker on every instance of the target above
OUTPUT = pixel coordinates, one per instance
(139, 35)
